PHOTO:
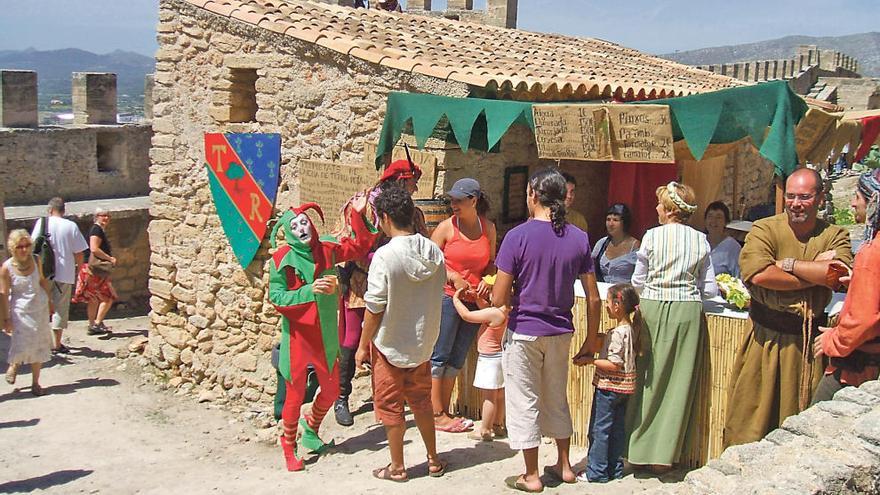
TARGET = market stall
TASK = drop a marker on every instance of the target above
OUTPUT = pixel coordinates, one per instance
(727, 327)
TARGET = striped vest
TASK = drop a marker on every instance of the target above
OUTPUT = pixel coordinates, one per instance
(677, 255)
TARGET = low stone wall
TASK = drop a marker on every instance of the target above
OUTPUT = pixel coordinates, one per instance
(75, 162)
(831, 448)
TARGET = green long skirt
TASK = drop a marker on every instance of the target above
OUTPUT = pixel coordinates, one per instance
(673, 342)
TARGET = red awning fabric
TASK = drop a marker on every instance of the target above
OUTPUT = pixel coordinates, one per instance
(635, 185)
(870, 131)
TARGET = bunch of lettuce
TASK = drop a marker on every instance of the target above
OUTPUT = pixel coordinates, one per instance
(735, 290)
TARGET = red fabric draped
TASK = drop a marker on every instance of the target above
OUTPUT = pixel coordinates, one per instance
(870, 131)
(635, 185)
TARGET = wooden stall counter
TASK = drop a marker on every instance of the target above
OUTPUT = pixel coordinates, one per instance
(727, 326)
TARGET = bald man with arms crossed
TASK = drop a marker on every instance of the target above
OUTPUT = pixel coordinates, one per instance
(785, 264)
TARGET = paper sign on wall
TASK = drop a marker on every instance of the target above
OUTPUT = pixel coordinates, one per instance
(426, 161)
(628, 133)
(575, 132)
(332, 184)
(641, 133)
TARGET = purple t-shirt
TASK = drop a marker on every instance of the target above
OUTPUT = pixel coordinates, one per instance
(544, 269)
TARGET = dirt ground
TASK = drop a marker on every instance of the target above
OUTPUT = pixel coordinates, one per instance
(107, 425)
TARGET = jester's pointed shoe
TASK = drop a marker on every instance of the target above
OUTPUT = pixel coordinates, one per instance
(310, 439)
(289, 449)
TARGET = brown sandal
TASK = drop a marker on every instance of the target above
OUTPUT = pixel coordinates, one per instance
(437, 467)
(386, 473)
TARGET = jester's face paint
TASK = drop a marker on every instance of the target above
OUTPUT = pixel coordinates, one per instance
(301, 228)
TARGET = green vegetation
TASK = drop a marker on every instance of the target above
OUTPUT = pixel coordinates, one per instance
(844, 216)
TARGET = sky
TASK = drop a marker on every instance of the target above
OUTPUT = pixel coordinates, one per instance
(658, 26)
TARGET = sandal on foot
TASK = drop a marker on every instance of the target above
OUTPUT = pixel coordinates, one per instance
(11, 373)
(439, 467)
(482, 436)
(386, 473)
(517, 483)
(550, 471)
(37, 390)
(453, 427)
(500, 431)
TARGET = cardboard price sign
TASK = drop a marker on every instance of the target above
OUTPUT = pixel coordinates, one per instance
(572, 132)
(629, 133)
(641, 133)
(332, 184)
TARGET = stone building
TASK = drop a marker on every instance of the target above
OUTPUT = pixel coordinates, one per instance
(93, 162)
(319, 74)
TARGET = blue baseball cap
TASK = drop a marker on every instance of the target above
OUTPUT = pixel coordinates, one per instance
(464, 188)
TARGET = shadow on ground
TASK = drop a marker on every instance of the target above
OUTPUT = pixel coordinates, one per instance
(45, 481)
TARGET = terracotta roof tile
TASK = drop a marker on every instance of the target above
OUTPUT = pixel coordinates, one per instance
(475, 54)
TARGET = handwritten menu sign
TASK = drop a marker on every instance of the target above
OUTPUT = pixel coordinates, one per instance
(641, 133)
(426, 161)
(331, 184)
(629, 133)
(575, 132)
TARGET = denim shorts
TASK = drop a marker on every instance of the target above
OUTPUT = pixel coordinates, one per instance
(454, 342)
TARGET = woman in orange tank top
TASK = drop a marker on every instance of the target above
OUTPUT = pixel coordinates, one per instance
(468, 243)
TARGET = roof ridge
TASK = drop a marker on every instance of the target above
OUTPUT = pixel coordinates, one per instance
(476, 54)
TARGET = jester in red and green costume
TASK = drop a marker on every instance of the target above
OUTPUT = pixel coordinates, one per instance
(302, 287)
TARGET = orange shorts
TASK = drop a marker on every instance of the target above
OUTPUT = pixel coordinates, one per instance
(392, 386)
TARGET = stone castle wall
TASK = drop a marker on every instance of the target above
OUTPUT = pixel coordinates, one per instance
(74, 162)
(830, 448)
(211, 322)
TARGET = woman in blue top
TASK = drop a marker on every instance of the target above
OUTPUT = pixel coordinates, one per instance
(614, 256)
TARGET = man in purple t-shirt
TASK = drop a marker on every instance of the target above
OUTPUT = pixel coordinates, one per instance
(540, 260)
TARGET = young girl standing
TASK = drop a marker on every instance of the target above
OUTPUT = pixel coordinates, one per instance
(489, 375)
(614, 379)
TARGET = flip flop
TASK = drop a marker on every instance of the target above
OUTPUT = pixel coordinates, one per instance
(515, 483)
(440, 472)
(385, 473)
(551, 473)
(453, 427)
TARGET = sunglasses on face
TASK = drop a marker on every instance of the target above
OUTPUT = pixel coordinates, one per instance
(23, 246)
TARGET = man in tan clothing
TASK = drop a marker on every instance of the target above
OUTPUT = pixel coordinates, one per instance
(788, 263)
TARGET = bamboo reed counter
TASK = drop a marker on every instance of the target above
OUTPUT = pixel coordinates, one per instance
(727, 327)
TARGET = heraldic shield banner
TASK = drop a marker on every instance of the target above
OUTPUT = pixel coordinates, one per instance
(243, 171)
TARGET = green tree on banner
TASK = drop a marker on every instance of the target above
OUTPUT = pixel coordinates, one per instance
(235, 173)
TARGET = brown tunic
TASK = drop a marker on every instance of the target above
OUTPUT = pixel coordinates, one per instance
(767, 373)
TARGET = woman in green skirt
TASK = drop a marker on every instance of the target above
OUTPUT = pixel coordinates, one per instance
(673, 273)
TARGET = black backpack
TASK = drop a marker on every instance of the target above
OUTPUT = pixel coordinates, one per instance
(43, 250)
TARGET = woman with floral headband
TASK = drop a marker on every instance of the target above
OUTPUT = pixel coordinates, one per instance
(673, 274)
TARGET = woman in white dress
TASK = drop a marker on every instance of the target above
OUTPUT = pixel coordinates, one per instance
(725, 249)
(24, 293)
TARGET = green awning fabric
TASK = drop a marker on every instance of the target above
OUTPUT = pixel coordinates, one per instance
(425, 111)
(719, 117)
(731, 114)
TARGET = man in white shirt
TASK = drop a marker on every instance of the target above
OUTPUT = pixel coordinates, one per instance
(68, 244)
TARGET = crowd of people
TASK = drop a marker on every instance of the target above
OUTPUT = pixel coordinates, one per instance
(49, 268)
(413, 302)
(422, 316)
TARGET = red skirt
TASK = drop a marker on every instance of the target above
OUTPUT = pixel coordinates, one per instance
(91, 288)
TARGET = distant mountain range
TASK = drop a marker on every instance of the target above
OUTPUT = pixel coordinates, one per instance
(863, 47)
(54, 68)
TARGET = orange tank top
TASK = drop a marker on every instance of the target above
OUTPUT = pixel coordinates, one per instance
(467, 257)
(489, 341)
